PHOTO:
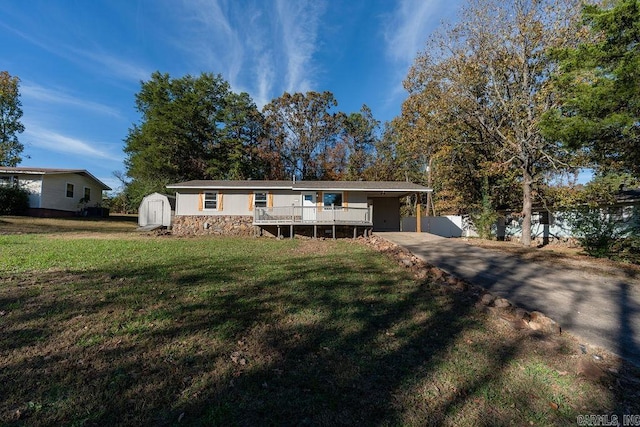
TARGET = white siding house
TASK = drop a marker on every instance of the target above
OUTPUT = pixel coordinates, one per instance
(239, 207)
(55, 192)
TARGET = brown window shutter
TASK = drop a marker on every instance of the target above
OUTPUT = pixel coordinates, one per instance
(200, 201)
(270, 200)
(345, 200)
(220, 201)
(250, 202)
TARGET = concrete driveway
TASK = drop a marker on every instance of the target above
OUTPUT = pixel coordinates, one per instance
(600, 309)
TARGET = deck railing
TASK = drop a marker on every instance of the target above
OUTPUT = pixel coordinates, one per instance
(311, 215)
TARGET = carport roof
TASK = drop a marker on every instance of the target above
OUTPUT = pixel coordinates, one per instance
(368, 186)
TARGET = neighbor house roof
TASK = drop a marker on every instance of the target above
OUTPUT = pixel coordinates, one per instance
(52, 171)
(628, 196)
(371, 186)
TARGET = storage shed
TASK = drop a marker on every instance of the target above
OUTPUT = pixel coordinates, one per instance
(156, 209)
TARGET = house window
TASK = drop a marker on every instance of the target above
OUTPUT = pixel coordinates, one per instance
(260, 200)
(329, 199)
(87, 194)
(210, 200)
(70, 190)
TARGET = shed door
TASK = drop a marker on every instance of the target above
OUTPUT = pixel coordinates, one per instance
(155, 209)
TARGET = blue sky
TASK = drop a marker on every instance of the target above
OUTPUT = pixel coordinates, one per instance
(81, 61)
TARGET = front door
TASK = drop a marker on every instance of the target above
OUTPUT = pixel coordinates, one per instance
(309, 206)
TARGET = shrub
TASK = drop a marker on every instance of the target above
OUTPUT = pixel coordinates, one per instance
(13, 201)
(485, 218)
(599, 230)
(627, 250)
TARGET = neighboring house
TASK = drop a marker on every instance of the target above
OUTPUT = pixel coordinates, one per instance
(156, 210)
(55, 192)
(549, 225)
(316, 208)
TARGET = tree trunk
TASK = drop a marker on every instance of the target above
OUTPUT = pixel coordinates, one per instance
(527, 183)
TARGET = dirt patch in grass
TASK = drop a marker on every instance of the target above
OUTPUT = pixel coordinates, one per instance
(77, 225)
(315, 246)
(267, 332)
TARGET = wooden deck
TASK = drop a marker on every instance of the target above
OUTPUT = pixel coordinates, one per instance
(314, 216)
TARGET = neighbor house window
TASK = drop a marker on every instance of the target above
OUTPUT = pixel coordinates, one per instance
(70, 190)
(329, 199)
(260, 200)
(210, 200)
(87, 194)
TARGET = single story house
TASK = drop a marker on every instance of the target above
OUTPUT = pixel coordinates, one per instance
(55, 192)
(549, 225)
(156, 210)
(289, 207)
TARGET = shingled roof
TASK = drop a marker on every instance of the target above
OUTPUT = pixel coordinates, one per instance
(52, 171)
(372, 186)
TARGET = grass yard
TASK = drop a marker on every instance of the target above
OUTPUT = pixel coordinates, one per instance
(100, 325)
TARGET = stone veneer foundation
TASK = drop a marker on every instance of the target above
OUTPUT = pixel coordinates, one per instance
(221, 225)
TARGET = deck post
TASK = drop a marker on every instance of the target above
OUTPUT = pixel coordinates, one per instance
(418, 214)
(291, 230)
(355, 231)
(315, 231)
(334, 230)
(279, 233)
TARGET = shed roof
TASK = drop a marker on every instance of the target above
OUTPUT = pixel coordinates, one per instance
(52, 171)
(370, 186)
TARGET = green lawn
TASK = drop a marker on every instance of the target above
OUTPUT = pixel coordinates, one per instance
(100, 325)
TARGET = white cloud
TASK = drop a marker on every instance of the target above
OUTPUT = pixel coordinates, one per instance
(409, 27)
(300, 21)
(42, 94)
(406, 32)
(59, 143)
(109, 65)
(212, 38)
(264, 48)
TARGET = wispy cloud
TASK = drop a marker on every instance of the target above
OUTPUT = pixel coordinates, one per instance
(264, 48)
(409, 27)
(212, 38)
(59, 143)
(104, 62)
(300, 21)
(406, 33)
(42, 94)
(109, 64)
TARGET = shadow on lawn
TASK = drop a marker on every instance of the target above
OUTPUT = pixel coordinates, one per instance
(216, 344)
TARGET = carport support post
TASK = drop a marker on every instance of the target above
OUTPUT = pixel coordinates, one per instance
(418, 214)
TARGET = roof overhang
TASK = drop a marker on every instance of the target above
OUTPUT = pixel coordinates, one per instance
(52, 171)
(379, 188)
